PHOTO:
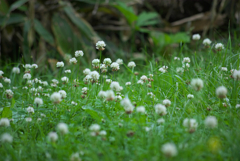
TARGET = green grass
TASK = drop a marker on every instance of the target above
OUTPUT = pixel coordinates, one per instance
(127, 138)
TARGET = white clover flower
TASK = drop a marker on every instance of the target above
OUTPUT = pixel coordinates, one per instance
(140, 109)
(128, 83)
(103, 133)
(109, 95)
(236, 74)
(38, 101)
(190, 96)
(162, 70)
(186, 60)
(94, 127)
(103, 68)
(65, 79)
(86, 71)
(73, 61)
(140, 82)
(46, 94)
(169, 150)
(67, 71)
(74, 103)
(27, 76)
(6, 80)
(207, 42)
(219, 46)
(30, 109)
(1, 73)
(196, 37)
(45, 83)
(28, 119)
(166, 102)
(95, 76)
(150, 94)
(39, 88)
(33, 90)
(4, 122)
(27, 66)
(224, 69)
(179, 70)
(16, 70)
(9, 93)
(55, 81)
(115, 86)
(56, 97)
(42, 115)
(75, 157)
(119, 61)
(1, 86)
(84, 90)
(131, 64)
(108, 81)
(221, 92)
(62, 93)
(187, 65)
(35, 66)
(197, 84)
(29, 82)
(161, 121)
(60, 64)
(211, 122)
(63, 128)
(118, 97)
(144, 78)
(115, 66)
(107, 61)
(190, 124)
(160, 109)
(96, 63)
(6, 138)
(87, 79)
(102, 94)
(100, 45)
(67, 56)
(127, 105)
(176, 58)
(237, 105)
(52, 136)
(78, 53)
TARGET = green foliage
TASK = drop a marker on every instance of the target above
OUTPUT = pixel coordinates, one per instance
(6, 113)
(135, 136)
(46, 35)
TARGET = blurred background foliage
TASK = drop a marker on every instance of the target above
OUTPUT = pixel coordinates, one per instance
(47, 31)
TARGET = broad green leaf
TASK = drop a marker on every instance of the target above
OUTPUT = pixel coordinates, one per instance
(166, 39)
(83, 25)
(12, 19)
(26, 49)
(67, 40)
(13, 103)
(17, 4)
(47, 36)
(146, 19)
(127, 12)
(4, 7)
(7, 113)
(94, 114)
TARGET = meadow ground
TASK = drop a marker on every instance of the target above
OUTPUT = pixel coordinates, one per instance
(183, 108)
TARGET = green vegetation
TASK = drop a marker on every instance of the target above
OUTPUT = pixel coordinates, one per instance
(127, 131)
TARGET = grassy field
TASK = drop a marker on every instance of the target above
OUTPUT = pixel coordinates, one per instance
(182, 108)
